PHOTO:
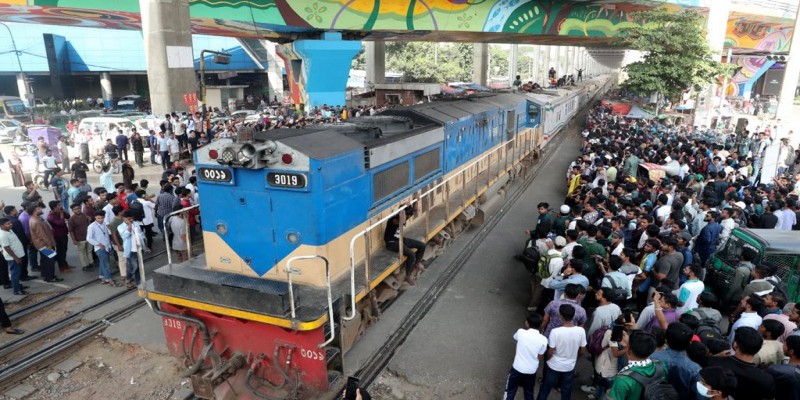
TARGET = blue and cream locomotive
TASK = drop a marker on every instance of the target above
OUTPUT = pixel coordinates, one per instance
(295, 268)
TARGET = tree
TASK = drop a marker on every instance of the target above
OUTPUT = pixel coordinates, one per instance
(677, 56)
(360, 60)
(430, 62)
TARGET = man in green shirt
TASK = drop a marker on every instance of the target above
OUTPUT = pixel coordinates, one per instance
(631, 164)
(639, 346)
(594, 251)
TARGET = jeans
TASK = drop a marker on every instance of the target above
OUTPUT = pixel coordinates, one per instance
(152, 157)
(133, 274)
(49, 173)
(102, 256)
(15, 270)
(165, 161)
(123, 153)
(411, 257)
(517, 379)
(33, 257)
(550, 380)
(160, 221)
(602, 386)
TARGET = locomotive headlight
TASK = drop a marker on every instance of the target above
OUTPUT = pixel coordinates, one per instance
(222, 229)
(227, 156)
(293, 237)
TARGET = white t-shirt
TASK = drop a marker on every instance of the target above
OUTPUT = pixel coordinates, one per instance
(566, 341)
(688, 293)
(49, 162)
(9, 239)
(530, 344)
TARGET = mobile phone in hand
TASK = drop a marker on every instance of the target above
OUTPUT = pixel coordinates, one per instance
(616, 332)
(352, 387)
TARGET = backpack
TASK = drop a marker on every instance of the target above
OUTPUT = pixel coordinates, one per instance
(595, 345)
(779, 287)
(544, 264)
(708, 329)
(655, 387)
(618, 294)
(530, 256)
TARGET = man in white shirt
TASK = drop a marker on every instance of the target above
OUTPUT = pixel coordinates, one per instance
(728, 224)
(749, 317)
(531, 346)
(50, 166)
(174, 148)
(99, 236)
(113, 201)
(788, 217)
(566, 344)
(13, 252)
(690, 290)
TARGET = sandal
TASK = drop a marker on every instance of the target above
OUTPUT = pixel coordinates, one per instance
(14, 331)
(130, 285)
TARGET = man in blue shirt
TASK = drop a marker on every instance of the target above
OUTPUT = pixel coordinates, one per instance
(572, 274)
(706, 242)
(683, 373)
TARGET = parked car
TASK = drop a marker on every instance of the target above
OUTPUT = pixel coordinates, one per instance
(241, 114)
(103, 124)
(9, 129)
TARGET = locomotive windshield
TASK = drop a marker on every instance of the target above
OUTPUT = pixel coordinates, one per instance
(533, 113)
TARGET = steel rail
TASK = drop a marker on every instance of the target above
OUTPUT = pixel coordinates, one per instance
(44, 356)
(22, 312)
(381, 357)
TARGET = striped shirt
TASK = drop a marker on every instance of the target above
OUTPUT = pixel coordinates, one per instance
(164, 203)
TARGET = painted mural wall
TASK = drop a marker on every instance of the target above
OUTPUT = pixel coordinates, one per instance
(598, 18)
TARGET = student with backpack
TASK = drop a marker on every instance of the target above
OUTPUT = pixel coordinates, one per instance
(642, 378)
(683, 373)
(549, 266)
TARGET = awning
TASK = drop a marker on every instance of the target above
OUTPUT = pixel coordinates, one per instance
(450, 90)
(638, 113)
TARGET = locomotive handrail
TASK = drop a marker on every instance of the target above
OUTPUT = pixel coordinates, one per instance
(289, 272)
(390, 216)
(188, 232)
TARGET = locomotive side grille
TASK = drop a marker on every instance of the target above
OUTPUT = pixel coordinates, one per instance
(426, 163)
(389, 181)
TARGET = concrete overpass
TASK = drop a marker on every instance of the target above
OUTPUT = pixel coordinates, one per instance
(753, 28)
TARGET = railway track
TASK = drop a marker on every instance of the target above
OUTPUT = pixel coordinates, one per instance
(381, 357)
(30, 309)
(15, 370)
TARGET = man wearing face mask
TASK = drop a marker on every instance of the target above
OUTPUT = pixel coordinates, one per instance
(716, 383)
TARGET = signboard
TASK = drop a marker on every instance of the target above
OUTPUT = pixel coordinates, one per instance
(770, 161)
(190, 99)
(227, 74)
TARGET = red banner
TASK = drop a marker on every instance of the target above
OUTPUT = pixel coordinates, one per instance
(190, 99)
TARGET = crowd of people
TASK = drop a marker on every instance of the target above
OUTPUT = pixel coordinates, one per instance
(110, 226)
(619, 271)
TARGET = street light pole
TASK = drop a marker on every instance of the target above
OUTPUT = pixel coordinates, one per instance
(221, 58)
(31, 104)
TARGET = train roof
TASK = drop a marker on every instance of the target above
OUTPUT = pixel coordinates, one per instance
(325, 141)
(449, 110)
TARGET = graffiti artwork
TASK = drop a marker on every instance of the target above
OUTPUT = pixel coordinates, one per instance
(260, 18)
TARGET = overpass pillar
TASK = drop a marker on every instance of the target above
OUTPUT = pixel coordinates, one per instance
(167, 32)
(25, 93)
(317, 70)
(480, 61)
(375, 53)
(790, 76)
(105, 89)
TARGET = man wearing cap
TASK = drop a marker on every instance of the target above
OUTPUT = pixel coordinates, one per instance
(562, 221)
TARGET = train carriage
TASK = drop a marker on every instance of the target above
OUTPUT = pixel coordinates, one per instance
(295, 268)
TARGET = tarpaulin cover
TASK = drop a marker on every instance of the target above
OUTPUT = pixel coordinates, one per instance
(50, 134)
(638, 113)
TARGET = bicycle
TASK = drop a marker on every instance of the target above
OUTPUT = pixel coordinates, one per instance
(22, 149)
(99, 161)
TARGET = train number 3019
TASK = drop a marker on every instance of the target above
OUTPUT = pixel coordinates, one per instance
(173, 323)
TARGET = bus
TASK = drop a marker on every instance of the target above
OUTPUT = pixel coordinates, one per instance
(13, 108)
